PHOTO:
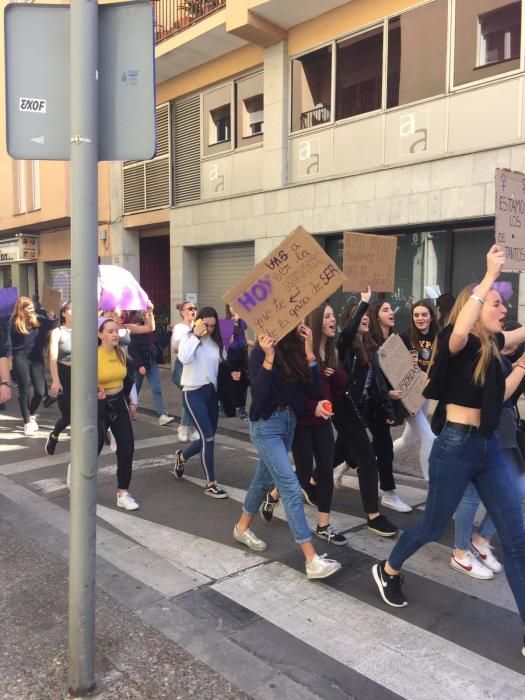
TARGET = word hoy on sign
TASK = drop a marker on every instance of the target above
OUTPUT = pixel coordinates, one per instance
(32, 104)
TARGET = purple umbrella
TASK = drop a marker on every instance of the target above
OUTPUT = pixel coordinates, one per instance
(118, 289)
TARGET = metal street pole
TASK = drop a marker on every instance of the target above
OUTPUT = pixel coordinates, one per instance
(84, 262)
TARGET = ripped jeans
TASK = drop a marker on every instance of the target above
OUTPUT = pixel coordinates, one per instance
(203, 406)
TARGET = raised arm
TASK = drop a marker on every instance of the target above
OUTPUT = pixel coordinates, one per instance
(348, 333)
(469, 314)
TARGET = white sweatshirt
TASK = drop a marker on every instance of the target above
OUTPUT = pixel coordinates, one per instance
(200, 357)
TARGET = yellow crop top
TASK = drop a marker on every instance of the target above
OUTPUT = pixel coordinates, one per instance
(111, 371)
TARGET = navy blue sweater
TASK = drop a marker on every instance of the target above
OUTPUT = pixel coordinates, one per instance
(269, 390)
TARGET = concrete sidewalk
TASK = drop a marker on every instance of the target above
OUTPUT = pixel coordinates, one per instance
(241, 429)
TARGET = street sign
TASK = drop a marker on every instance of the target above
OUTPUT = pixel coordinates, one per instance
(37, 46)
(510, 217)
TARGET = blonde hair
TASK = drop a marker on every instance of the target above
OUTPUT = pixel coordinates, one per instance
(18, 318)
(488, 350)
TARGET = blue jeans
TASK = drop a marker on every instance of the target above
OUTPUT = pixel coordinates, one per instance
(153, 376)
(457, 458)
(203, 406)
(468, 507)
(185, 418)
(273, 440)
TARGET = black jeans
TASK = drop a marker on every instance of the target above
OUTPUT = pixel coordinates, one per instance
(382, 444)
(63, 399)
(315, 441)
(353, 447)
(113, 413)
(28, 372)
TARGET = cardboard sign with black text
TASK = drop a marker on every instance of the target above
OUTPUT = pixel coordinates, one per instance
(369, 260)
(285, 286)
(51, 299)
(398, 367)
(510, 217)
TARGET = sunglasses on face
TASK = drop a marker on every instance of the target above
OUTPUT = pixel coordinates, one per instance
(190, 308)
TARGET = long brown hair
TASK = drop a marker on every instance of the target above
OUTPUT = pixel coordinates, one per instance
(363, 344)
(433, 329)
(18, 318)
(291, 359)
(489, 349)
(314, 320)
(376, 330)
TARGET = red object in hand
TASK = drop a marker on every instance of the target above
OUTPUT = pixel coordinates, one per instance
(327, 406)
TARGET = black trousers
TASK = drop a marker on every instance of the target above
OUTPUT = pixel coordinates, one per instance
(353, 446)
(315, 442)
(383, 446)
(29, 373)
(113, 413)
(63, 399)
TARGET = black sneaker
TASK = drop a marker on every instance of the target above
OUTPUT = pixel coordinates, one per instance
(382, 526)
(267, 507)
(310, 494)
(51, 444)
(330, 535)
(215, 491)
(178, 469)
(389, 586)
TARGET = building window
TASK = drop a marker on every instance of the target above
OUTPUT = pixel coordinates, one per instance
(220, 125)
(487, 39)
(311, 89)
(217, 120)
(249, 94)
(419, 32)
(26, 186)
(359, 74)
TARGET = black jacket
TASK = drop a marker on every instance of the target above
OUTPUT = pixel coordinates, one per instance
(357, 372)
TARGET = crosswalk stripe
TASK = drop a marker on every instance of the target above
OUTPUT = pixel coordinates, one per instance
(410, 494)
(382, 647)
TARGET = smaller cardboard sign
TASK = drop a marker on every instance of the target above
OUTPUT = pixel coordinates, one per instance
(398, 367)
(369, 260)
(285, 286)
(510, 217)
(51, 299)
(8, 297)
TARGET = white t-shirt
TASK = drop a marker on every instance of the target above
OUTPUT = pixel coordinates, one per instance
(179, 331)
(200, 357)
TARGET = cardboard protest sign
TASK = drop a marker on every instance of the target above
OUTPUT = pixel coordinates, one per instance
(51, 299)
(510, 217)
(8, 297)
(369, 260)
(398, 367)
(283, 288)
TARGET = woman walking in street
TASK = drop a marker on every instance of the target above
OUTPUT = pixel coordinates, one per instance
(419, 339)
(201, 352)
(237, 357)
(466, 377)
(60, 368)
(27, 337)
(381, 325)
(365, 393)
(187, 310)
(280, 375)
(114, 385)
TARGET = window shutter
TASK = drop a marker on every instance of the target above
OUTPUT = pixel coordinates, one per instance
(186, 132)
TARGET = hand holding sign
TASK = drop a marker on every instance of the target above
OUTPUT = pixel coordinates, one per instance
(283, 288)
(407, 381)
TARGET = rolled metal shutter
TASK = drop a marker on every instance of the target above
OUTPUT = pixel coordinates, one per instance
(61, 279)
(220, 267)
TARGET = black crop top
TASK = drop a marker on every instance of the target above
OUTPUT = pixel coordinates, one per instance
(451, 380)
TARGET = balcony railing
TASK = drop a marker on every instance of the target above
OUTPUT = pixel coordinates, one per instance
(172, 16)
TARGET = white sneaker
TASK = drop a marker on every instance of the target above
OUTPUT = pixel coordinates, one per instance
(250, 539)
(112, 442)
(164, 419)
(68, 476)
(471, 566)
(484, 552)
(33, 421)
(195, 435)
(30, 429)
(391, 500)
(321, 567)
(339, 472)
(125, 500)
(183, 433)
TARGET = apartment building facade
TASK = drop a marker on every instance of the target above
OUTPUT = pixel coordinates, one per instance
(384, 116)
